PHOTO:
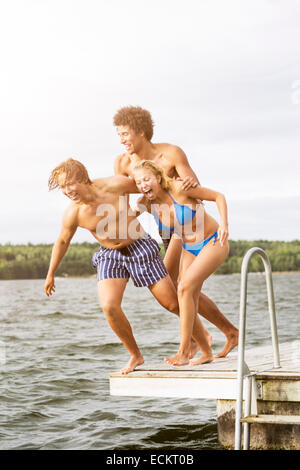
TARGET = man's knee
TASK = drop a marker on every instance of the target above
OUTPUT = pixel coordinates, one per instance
(173, 306)
(203, 299)
(170, 303)
(110, 308)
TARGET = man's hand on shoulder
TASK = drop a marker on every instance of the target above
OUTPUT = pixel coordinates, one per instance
(187, 183)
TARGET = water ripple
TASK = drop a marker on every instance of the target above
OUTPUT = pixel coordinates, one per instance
(57, 354)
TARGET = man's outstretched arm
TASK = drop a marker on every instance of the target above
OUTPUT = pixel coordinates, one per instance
(122, 185)
(60, 247)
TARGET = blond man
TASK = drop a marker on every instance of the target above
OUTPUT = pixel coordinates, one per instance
(101, 206)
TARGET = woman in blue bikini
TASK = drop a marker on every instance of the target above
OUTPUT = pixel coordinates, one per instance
(205, 242)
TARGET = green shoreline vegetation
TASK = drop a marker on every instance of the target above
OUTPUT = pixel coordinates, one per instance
(32, 261)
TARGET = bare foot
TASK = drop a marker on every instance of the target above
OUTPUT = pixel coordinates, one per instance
(209, 338)
(231, 343)
(195, 346)
(204, 359)
(177, 360)
(133, 362)
(194, 349)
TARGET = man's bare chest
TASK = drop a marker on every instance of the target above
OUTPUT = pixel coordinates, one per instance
(110, 212)
(159, 159)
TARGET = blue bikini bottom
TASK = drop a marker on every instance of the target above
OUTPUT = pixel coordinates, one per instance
(197, 247)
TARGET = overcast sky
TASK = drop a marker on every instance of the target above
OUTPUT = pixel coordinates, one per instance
(220, 78)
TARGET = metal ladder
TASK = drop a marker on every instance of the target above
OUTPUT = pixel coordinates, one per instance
(243, 371)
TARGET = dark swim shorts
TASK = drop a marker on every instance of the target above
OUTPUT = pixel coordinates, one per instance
(140, 261)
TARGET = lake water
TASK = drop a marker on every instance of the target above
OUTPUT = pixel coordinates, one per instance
(56, 354)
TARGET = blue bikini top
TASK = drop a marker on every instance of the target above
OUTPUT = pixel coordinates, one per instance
(184, 215)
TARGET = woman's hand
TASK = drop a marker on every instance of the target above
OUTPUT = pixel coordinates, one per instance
(222, 234)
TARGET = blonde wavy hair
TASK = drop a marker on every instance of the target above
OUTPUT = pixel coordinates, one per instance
(73, 169)
(156, 170)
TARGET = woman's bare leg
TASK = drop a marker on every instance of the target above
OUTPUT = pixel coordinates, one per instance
(165, 293)
(206, 308)
(172, 263)
(209, 310)
(172, 258)
(188, 317)
(195, 271)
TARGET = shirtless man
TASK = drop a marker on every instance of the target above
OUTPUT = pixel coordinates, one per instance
(135, 129)
(102, 207)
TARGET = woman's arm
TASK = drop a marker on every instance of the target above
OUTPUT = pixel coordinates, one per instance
(207, 194)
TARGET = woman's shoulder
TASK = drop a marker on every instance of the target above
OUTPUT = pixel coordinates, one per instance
(175, 188)
(179, 194)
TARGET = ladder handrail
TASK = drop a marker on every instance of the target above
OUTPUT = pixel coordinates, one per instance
(242, 332)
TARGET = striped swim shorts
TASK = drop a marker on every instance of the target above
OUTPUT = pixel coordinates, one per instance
(140, 261)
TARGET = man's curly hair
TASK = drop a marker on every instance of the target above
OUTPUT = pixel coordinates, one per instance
(137, 118)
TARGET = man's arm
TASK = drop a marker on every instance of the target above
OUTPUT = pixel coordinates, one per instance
(122, 185)
(125, 185)
(69, 227)
(183, 169)
(119, 167)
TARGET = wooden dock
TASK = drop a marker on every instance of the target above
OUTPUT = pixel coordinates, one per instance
(278, 390)
(216, 380)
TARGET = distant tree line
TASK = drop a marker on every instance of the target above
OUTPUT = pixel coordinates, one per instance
(32, 261)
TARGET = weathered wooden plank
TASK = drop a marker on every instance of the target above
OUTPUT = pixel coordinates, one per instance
(271, 419)
(284, 389)
(179, 387)
(259, 358)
